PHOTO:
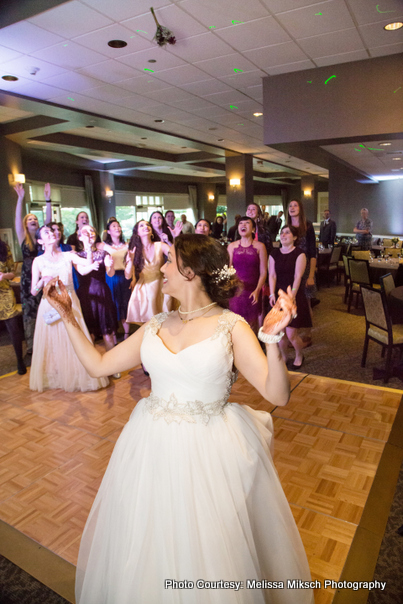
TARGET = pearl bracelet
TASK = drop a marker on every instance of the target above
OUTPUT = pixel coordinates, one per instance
(269, 338)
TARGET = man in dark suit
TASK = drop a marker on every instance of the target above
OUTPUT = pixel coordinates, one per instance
(327, 230)
(274, 225)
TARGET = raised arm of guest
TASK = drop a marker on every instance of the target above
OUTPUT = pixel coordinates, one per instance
(48, 192)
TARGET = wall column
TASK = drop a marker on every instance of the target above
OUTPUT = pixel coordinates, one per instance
(238, 166)
(106, 206)
(308, 183)
(10, 163)
(207, 199)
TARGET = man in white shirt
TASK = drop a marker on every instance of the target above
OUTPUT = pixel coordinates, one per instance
(187, 226)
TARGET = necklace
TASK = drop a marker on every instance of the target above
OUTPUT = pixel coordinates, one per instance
(193, 318)
(190, 312)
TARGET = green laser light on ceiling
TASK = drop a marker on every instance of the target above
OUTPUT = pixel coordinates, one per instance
(147, 69)
(328, 79)
(238, 70)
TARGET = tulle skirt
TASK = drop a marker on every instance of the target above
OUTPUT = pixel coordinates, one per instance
(189, 502)
(54, 362)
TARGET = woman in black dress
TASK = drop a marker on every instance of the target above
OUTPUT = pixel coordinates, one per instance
(286, 268)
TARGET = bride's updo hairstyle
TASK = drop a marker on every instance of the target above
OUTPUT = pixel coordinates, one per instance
(206, 257)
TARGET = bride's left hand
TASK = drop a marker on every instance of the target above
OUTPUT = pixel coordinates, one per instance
(282, 313)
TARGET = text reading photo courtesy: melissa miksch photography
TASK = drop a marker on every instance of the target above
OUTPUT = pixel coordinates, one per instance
(290, 584)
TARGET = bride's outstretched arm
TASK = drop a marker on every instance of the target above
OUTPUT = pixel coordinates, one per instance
(121, 358)
(268, 374)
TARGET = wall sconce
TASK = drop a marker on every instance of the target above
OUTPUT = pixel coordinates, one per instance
(109, 194)
(235, 182)
(307, 192)
(211, 197)
(14, 179)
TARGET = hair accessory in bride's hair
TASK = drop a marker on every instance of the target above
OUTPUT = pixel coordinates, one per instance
(224, 273)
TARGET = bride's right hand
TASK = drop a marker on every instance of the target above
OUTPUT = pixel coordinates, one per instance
(58, 297)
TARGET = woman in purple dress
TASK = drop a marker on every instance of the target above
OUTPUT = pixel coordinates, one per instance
(95, 296)
(287, 266)
(249, 257)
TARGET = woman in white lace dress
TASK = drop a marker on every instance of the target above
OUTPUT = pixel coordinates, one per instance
(191, 498)
(54, 363)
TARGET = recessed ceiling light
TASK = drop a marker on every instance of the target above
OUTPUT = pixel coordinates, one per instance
(143, 138)
(90, 126)
(258, 114)
(213, 128)
(393, 26)
(152, 61)
(220, 140)
(397, 158)
(117, 43)
(159, 121)
(9, 78)
(385, 144)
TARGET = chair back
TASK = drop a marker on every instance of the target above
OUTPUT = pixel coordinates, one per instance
(387, 242)
(359, 271)
(387, 283)
(393, 252)
(335, 255)
(348, 249)
(361, 255)
(346, 267)
(376, 308)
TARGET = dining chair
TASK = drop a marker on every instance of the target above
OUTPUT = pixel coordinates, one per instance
(393, 252)
(387, 283)
(359, 275)
(387, 243)
(331, 266)
(379, 328)
(347, 281)
(361, 254)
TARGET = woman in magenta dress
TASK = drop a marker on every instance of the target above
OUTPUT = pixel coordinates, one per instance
(249, 258)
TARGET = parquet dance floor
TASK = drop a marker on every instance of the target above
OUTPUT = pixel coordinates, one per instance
(329, 440)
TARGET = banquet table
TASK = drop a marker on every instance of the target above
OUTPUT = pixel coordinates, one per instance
(382, 266)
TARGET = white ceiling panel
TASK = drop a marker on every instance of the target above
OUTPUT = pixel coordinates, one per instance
(26, 38)
(70, 19)
(256, 92)
(206, 87)
(69, 55)
(143, 84)
(245, 79)
(37, 90)
(333, 43)
(210, 112)
(374, 35)
(346, 57)
(26, 65)
(280, 6)
(136, 101)
(226, 99)
(279, 54)
(124, 9)
(289, 67)
(316, 19)
(222, 14)
(254, 34)
(107, 92)
(381, 51)
(9, 114)
(225, 66)
(164, 59)
(71, 80)
(206, 46)
(191, 104)
(365, 12)
(6, 54)
(98, 40)
(186, 74)
(110, 71)
(169, 95)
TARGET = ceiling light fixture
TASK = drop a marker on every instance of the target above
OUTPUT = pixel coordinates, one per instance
(397, 158)
(385, 144)
(9, 78)
(117, 43)
(143, 138)
(258, 114)
(159, 121)
(220, 140)
(213, 128)
(393, 26)
(90, 126)
(235, 182)
(109, 194)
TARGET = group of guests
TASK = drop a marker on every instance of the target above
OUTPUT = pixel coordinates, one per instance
(112, 281)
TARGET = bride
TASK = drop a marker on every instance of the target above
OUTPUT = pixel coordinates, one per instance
(191, 493)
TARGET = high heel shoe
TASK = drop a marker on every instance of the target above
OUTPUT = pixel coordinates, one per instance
(21, 368)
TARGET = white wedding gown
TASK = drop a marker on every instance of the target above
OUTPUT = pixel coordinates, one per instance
(191, 492)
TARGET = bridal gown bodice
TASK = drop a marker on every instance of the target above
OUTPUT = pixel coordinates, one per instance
(194, 384)
(191, 492)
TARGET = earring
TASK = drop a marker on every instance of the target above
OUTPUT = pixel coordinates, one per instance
(43, 247)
